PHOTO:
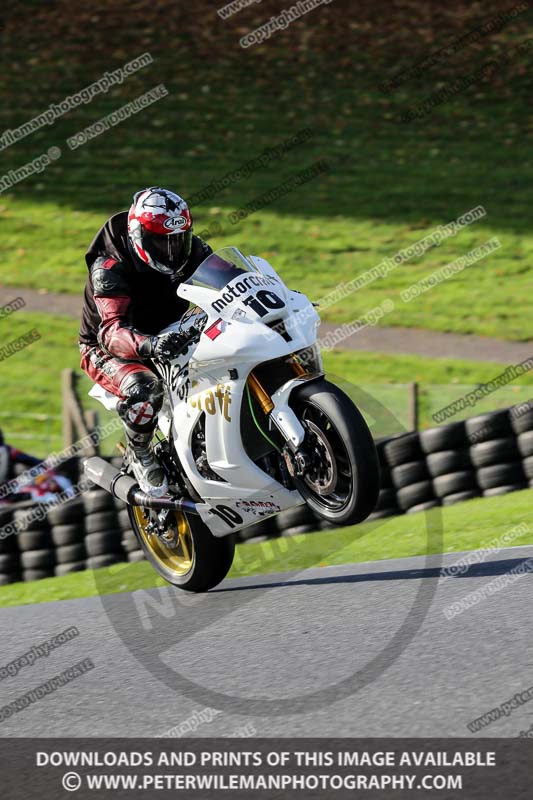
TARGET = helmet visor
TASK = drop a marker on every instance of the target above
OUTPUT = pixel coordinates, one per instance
(170, 252)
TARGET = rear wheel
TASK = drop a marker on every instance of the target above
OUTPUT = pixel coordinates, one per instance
(186, 554)
(341, 484)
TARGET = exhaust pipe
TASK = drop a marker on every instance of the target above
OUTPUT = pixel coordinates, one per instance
(125, 488)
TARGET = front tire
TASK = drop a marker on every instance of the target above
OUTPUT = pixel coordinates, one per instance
(342, 485)
(188, 555)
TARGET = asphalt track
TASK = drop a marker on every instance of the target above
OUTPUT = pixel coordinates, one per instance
(276, 639)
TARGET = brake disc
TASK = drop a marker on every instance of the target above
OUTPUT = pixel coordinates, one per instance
(321, 480)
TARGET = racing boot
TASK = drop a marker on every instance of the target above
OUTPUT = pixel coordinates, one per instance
(146, 467)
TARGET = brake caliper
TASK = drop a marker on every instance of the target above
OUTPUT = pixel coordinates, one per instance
(297, 461)
(166, 529)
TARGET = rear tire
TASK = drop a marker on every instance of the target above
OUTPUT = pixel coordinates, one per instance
(345, 433)
(195, 561)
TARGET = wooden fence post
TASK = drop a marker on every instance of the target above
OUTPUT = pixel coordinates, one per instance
(74, 419)
(67, 377)
(413, 406)
(93, 424)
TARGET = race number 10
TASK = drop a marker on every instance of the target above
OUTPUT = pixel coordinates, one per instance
(231, 517)
(263, 302)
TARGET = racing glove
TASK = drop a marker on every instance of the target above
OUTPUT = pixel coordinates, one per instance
(166, 346)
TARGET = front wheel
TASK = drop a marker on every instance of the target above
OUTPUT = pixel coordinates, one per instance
(186, 554)
(341, 484)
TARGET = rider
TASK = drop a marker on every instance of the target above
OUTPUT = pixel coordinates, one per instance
(9, 456)
(136, 262)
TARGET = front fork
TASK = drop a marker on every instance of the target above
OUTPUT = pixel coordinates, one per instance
(296, 459)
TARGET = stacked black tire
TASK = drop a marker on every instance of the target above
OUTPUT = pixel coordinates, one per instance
(294, 521)
(128, 540)
(37, 551)
(108, 534)
(10, 568)
(88, 532)
(77, 535)
(387, 504)
(449, 463)
(291, 522)
(259, 531)
(103, 537)
(410, 473)
(495, 453)
(67, 533)
(487, 455)
(523, 428)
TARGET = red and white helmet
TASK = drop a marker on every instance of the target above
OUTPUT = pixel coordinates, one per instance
(160, 229)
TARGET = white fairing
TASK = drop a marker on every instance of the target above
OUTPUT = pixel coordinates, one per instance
(211, 377)
(107, 399)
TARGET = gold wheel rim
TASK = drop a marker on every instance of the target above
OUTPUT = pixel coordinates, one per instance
(178, 556)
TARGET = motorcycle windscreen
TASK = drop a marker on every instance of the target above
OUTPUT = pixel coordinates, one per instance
(221, 267)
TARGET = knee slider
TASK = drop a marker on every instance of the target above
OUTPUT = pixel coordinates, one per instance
(141, 402)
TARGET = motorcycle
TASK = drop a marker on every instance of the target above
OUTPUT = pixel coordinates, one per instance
(249, 426)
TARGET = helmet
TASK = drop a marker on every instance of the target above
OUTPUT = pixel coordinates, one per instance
(160, 229)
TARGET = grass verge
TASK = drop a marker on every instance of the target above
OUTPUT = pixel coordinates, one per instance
(467, 526)
(31, 380)
(389, 182)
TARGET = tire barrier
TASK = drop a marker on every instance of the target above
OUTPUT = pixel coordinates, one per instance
(484, 456)
(88, 532)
